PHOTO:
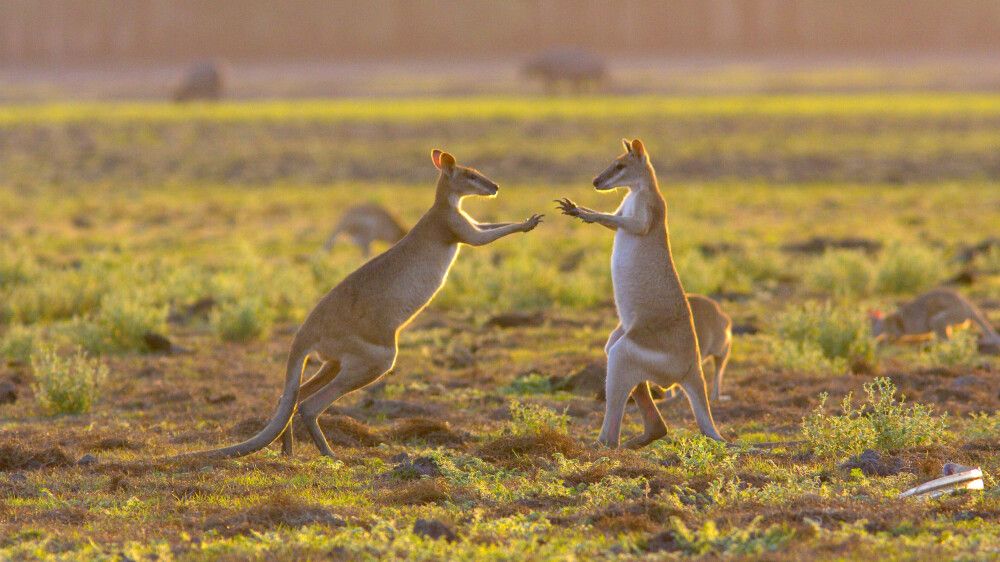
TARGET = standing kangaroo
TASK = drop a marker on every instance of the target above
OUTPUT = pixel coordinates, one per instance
(935, 311)
(354, 328)
(655, 339)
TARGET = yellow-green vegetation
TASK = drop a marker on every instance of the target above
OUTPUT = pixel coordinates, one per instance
(125, 224)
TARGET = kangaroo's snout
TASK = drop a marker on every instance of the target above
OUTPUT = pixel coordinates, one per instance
(597, 182)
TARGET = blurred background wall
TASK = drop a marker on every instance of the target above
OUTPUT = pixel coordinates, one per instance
(77, 31)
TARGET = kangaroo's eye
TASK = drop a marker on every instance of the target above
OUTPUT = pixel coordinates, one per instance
(619, 166)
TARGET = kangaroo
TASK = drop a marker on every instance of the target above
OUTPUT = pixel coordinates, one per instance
(365, 224)
(713, 328)
(354, 329)
(655, 339)
(937, 311)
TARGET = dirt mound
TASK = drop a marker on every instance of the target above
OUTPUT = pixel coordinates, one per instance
(873, 463)
(820, 244)
(515, 450)
(16, 457)
(279, 509)
(111, 443)
(343, 431)
(413, 469)
(516, 319)
(435, 529)
(435, 432)
(400, 409)
(418, 492)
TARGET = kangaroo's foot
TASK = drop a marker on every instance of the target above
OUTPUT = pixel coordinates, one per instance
(646, 438)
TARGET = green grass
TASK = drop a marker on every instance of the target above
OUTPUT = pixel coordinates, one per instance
(204, 223)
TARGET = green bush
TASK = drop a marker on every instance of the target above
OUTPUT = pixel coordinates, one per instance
(804, 357)
(882, 423)
(909, 269)
(18, 343)
(66, 385)
(961, 350)
(839, 335)
(531, 419)
(532, 383)
(242, 321)
(123, 321)
(840, 274)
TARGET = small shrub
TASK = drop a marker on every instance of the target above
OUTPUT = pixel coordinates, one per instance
(745, 540)
(124, 319)
(982, 425)
(18, 343)
(532, 383)
(242, 321)
(841, 336)
(804, 357)
(908, 269)
(883, 424)
(697, 454)
(66, 385)
(840, 274)
(960, 350)
(530, 419)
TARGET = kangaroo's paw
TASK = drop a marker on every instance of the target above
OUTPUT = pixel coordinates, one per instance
(646, 438)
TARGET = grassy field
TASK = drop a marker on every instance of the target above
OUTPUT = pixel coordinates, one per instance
(203, 224)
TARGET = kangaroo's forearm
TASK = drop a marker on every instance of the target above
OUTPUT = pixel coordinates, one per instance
(477, 237)
(492, 225)
(630, 224)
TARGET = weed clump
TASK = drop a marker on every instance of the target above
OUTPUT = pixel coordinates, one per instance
(242, 321)
(18, 343)
(881, 424)
(66, 385)
(840, 274)
(820, 338)
(534, 431)
(124, 320)
(960, 350)
(908, 269)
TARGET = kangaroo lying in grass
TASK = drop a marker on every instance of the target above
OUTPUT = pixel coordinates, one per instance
(354, 329)
(655, 340)
(365, 224)
(934, 312)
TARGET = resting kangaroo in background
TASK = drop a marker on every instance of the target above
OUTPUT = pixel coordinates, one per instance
(714, 330)
(364, 224)
(354, 329)
(655, 340)
(936, 311)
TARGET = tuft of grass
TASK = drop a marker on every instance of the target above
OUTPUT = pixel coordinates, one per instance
(739, 540)
(66, 385)
(841, 274)
(532, 419)
(697, 454)
(242, 321)
(124, 320)
(18, 343)
(835, 339)
(532, 383)
(908, 269)
(882, 423)
(960, 350)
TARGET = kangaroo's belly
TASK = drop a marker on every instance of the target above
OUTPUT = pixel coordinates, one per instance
(644, 280)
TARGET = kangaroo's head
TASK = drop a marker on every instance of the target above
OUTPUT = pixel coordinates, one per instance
(459, 181)
(885, 326)
(628, 170)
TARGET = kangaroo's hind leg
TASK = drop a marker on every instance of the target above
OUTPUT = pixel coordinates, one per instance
(618, 386)
(357, 370)
(652, 422)
(694, 388)
(324, 375)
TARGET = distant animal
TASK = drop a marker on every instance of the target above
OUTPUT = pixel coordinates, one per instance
(581, 70)
(354, 329)
(935, 312)
(714, 330)
(655, 339)
(202, 81)
(365, 224)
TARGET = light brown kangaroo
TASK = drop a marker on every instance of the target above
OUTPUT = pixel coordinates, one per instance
(365, 224)
(714, 330)
(354, 329)
(935, 312)
(655, 340)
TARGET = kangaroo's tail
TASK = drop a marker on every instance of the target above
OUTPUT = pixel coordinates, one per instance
(979, 318)
(286, 407)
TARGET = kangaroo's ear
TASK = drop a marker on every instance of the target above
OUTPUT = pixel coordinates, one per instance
(628, 146)
(442, 160)
(638, 148)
